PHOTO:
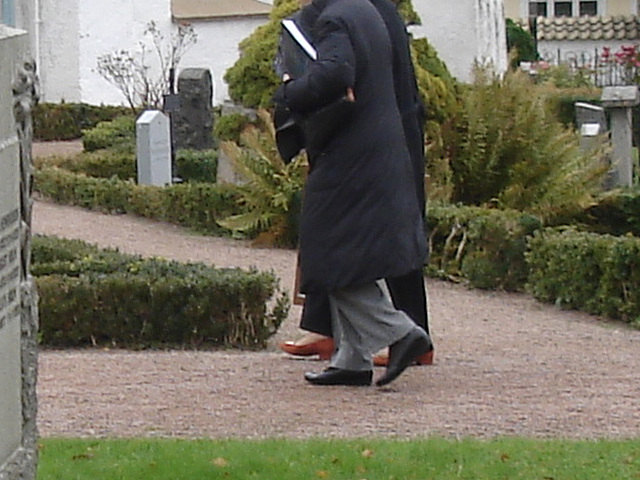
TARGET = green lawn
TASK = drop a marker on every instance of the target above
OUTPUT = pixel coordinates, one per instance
(428, 459)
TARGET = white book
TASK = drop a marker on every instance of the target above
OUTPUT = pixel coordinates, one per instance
(300, 38)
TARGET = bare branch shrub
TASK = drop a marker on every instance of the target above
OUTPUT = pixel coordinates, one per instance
(143, 86)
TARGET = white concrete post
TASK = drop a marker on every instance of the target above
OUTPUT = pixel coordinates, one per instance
(618, 101)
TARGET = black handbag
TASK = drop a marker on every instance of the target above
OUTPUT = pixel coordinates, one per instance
(289, 134)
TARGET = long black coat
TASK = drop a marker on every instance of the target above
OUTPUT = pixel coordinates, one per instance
(408, 98)
(360, 218)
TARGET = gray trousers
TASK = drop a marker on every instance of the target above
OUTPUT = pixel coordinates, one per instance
(364, 320)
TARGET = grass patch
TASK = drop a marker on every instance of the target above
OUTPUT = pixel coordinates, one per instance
(433, 458)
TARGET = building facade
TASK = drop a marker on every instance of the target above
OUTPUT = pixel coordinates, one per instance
(72, 34)
(582, 34)
(515, 9)
(464, 32)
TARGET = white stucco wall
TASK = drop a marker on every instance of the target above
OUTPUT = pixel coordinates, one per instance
(117, 24)
(463, 32)
(59, 51)
(75, 33)
(217, 49)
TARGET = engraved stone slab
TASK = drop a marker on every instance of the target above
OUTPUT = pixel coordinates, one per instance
(10, 312)
(153, 149)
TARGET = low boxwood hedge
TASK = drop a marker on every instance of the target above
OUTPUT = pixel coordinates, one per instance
(90, 296)
(66, 121)
(192, 204)
(191, 165)
(484, 246)
(596, 273)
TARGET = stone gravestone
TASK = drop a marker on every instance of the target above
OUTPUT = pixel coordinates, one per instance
(153, 149)
(593, 114)
(18, 297)
(193, 121)
(592, 124)
(226, 172)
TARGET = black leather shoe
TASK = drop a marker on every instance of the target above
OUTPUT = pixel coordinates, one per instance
(339, 376)
(404, 352)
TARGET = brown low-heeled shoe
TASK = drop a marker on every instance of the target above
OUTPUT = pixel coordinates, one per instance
(382, 359)
(323, 348)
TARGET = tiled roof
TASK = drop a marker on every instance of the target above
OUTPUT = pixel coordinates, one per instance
(203, 9)
(618, 27)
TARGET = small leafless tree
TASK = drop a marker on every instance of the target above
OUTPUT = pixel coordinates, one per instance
(143, 86)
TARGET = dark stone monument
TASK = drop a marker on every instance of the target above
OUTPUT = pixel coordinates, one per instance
(193, 120)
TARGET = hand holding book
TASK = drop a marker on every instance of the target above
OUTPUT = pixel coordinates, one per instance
(319, 126)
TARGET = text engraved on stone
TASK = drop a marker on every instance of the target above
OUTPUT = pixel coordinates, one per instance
(10, 239)
(9, 219)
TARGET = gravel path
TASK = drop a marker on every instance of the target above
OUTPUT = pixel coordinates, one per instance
(505, 365)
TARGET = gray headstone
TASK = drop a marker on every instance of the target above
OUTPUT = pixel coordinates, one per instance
(10, 374)
(591, 136)
(193, 120)
(591, 114)
(226, 172)
(153, 149)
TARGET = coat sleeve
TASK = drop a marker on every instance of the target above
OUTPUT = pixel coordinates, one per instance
(329, 77)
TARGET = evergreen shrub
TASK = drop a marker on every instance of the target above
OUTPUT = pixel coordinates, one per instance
(229, 127)
(599, 274)
(522, 42)
(90, 296)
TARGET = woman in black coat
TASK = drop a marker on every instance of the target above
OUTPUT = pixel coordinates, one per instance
(360, 219)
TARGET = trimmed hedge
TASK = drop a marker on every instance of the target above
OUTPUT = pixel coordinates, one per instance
(192, 204)
(90, 296)
(118, 134)
(617, 213)
(484, 246)
(191, 165)
(599, 274)
(66, 121)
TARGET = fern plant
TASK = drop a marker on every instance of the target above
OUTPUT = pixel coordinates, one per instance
(271, 197)
(512, 151)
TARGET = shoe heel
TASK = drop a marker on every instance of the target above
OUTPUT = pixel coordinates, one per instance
(325, 355)
(425, 359)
